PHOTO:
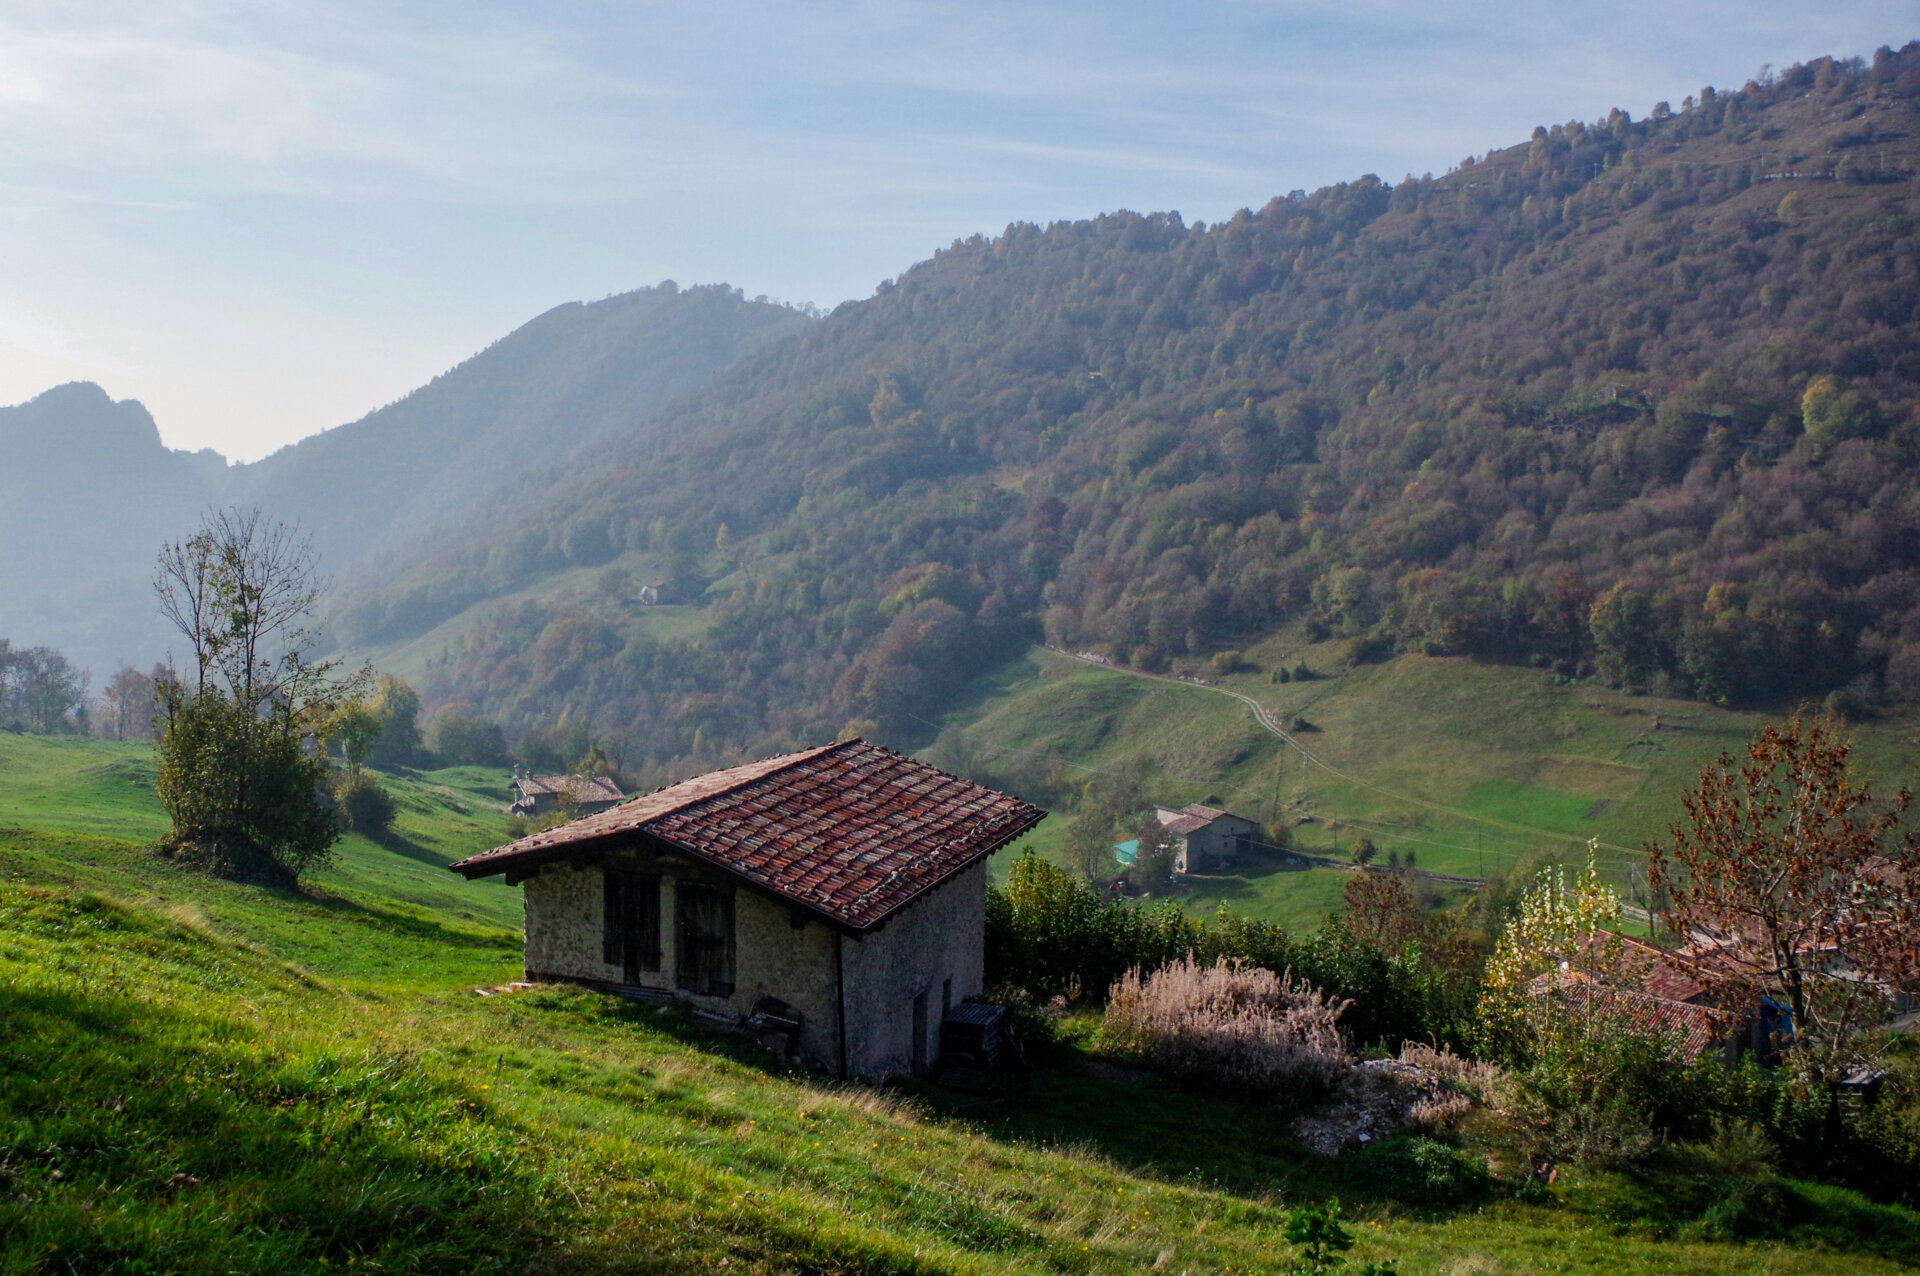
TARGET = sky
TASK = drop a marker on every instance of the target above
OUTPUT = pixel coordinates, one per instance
(263, 219)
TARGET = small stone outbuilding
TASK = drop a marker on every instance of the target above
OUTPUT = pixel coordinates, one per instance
(535, 795)
(836, 896)
(1205, 838)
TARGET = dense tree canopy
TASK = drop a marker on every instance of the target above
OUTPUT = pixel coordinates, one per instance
(1634, 398)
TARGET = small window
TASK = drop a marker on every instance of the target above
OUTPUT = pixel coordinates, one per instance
(631, 930)
(703, 919)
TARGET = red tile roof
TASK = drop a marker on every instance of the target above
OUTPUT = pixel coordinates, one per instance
(852, 831)
(1693, 1028)
(583, 788)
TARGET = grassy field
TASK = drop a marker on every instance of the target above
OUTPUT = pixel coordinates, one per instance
(203, 1076)
(1471, 768)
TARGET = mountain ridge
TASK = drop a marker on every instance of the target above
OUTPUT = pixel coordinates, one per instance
(75, 569)
(1634, 399)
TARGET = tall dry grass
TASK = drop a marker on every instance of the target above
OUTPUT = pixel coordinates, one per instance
(1242, 1028)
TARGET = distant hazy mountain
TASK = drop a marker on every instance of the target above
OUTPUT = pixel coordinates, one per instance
(88, 492)
(573, 377)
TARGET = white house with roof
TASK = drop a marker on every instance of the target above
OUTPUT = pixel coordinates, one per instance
(1206, 839)
(834, 898)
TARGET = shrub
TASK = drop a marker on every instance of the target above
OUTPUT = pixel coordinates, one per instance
(1051, 934)
(1600, 1089)
(1420, 1171)
(243, 791)
(1231, 1025)
(365, 807)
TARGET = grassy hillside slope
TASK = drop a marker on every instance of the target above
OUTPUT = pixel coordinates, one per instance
(1473, 768)
(206, 1077)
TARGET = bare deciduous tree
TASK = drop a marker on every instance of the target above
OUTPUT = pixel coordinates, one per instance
(241, 590)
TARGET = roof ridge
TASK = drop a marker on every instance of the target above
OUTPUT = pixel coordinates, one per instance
(795, 758)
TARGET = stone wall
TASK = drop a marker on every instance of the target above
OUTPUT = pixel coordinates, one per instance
(938, 938)
(1205, 849)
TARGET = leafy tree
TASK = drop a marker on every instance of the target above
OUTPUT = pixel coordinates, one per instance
(1833, 412)
(463, 739)
(364, 806)
(1381, 912)
(127, 704)
(242, 767)
(356, 728)
(396, 709)
(1089, 843)
(1792, 881)
(1152, 867)
(40, 690)
(1565, 932)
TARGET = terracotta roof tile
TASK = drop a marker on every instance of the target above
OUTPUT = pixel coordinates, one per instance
(853, 831)
(595, 788)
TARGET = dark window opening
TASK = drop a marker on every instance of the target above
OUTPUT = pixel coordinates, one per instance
(631, 934)
(703, 921)
(920, 1035)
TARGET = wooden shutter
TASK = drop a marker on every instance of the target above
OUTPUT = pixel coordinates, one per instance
(618, 905)
(703, 917)
(631, 935)
(645, 929)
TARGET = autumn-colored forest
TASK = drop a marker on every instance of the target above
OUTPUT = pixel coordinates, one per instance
(1638, 398)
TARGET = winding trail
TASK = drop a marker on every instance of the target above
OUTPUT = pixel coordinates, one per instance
(1265, 717)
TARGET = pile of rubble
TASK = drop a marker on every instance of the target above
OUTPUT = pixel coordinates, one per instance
(1423, 1088)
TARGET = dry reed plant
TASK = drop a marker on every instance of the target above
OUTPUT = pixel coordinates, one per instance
(1449, 1086)
(1240, 1027)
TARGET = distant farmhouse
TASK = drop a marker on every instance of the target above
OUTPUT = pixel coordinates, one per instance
(833, 899)
(1206, 838)
(660, 593)
(535, 795)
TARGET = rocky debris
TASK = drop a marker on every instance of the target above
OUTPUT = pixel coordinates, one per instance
(1423, 1088)
(501, 990)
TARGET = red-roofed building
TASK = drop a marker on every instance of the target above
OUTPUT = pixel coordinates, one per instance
(840, 890)
(535, 795)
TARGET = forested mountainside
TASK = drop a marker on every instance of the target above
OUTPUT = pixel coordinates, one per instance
(88, 492)
(1635, 397)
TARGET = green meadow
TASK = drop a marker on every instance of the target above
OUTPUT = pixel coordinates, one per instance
(207, 1076)
(1472, 769)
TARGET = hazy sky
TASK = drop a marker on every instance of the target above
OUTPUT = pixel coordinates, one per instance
(263, 218)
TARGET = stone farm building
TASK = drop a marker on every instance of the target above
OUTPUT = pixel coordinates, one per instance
(535, 795)
(1205, 838)
(837, 894)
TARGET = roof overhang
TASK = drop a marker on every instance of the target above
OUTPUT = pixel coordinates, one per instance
(525, 864)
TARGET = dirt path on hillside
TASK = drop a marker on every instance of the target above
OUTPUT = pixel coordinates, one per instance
(1267, 720)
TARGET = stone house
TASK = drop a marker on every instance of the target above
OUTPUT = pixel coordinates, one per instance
(1205, 838)
(535, 795)
(834, 898)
